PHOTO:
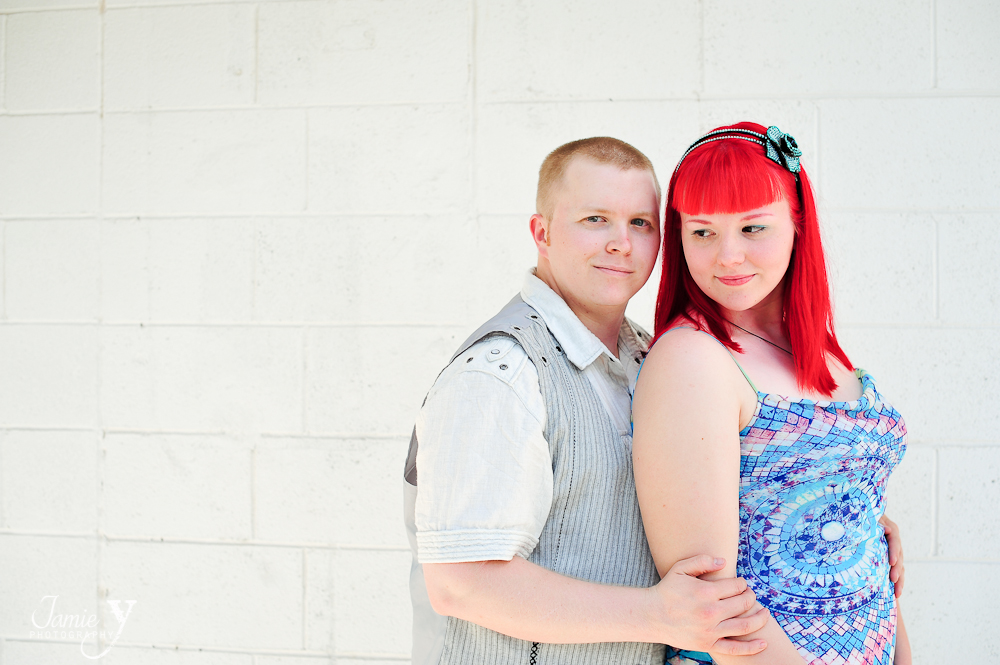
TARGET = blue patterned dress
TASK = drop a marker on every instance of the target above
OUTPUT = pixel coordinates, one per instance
(812, 484)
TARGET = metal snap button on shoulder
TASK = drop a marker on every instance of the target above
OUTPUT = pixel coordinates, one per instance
(502, 366)
(495, 351)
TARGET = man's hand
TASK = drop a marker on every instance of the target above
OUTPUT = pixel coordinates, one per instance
(892, 539)
(704, 615)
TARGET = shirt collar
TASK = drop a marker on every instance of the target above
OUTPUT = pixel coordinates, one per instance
(582, 347)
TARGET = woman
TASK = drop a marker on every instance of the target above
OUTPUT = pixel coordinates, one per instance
(755, 438)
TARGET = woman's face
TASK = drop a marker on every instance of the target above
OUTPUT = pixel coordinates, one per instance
(739, 260)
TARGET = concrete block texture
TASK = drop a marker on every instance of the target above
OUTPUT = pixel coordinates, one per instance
(48, 376)
(923, 141)
(49, 480)
(52, 61)
(512, 140)
(968, 275)
(764, 48)
(934, 377)
(192, 486)
(46, 576)
(167, 270)
(883, 266)
(947, 607)
(50, 165)
(364, 52)
(362, 592)
(181, 590)
(372, 379)
(332, 269)
(911, 502)
(389, 159)
(330, 491)
(969, 476)
(52, 270)
(204, 162)
(160, 655)
(18, 652)
(560, 50)
(181, 378)
(968, 55)
(179, 56)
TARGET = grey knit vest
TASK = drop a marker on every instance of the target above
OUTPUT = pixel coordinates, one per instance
(594, 529)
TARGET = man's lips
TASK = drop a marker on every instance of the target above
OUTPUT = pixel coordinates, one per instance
(611, 270)
(735, 280)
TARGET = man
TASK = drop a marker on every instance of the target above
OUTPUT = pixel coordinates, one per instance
(523, 520)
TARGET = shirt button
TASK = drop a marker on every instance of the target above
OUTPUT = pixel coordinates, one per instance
(495, 351)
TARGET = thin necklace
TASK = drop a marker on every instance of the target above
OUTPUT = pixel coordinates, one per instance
(760, 338)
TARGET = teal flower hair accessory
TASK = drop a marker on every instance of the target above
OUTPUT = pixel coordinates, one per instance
(783, 149)
(779, 147)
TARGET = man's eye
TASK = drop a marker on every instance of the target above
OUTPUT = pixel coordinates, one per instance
(638, 221)
(595, 219)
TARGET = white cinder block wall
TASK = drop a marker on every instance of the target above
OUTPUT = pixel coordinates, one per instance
(239, 239)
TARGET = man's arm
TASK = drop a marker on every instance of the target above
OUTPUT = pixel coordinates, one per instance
(524, 600)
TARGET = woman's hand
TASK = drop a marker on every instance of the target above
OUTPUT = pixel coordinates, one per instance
(895, 543)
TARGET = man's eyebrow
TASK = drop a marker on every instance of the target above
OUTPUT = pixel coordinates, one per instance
(603, 211)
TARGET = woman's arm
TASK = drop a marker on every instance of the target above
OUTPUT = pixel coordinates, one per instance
(686, 456)
(903, 654)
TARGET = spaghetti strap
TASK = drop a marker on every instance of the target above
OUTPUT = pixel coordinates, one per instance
(728, 350)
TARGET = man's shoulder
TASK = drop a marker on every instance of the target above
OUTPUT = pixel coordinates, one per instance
(497, 355)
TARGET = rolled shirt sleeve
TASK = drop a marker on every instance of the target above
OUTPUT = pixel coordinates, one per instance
(485, 471)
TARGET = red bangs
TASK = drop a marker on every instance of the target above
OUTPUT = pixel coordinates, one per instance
(725, 177)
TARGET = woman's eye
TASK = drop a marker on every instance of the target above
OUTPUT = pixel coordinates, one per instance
(701, 233)
(753, 228)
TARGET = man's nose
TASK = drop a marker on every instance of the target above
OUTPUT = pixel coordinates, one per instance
(621, 241)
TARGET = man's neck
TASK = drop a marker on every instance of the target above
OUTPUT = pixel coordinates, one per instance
(604, 321)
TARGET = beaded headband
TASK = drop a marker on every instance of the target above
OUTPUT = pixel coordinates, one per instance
(780, 147)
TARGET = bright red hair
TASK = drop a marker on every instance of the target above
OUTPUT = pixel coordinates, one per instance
(735, 175)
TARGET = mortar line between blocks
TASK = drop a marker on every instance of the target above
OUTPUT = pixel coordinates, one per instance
(934, 46)
(3, 64)
(701, 49)
(99, 516)
(473, 108)
(305, 598)
(256, 51)
(935, 492)
(303, 420)
(253, 491)
(3, 515)
(936, 270)
(305, 175)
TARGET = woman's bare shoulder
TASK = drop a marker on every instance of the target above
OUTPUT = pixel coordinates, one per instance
(688, 359)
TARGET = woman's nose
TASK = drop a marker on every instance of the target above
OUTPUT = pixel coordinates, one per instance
(731, 252)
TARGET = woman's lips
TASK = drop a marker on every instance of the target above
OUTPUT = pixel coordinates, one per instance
(735, 280)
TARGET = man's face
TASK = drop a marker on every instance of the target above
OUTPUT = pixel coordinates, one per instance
(600, 244)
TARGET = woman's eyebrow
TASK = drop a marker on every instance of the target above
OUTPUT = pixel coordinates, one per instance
(755, 215)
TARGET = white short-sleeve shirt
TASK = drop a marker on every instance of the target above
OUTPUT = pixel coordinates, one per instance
(485, 470)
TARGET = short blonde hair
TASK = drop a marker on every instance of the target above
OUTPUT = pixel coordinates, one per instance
(601, 149)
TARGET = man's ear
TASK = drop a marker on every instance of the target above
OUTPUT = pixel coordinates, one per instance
(540, 234)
